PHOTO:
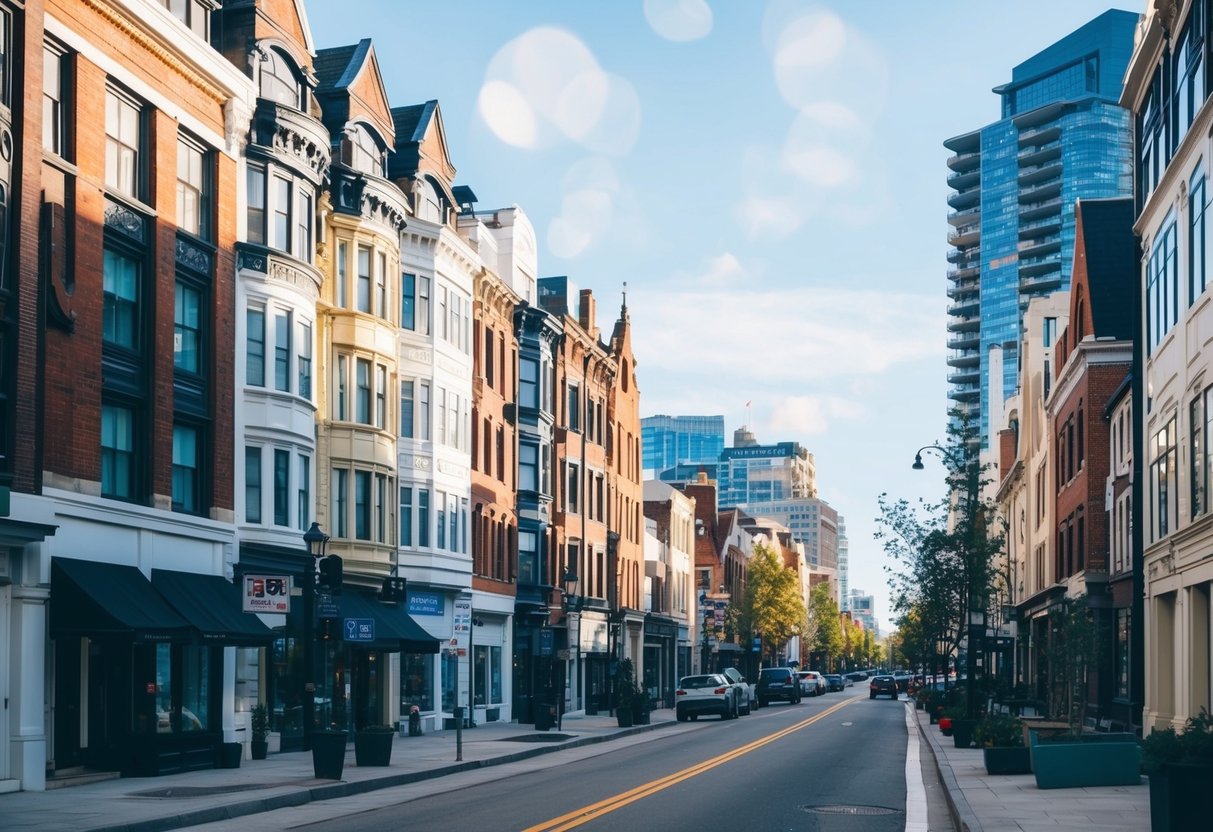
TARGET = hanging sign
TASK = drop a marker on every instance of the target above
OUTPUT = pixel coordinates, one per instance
(266, 593)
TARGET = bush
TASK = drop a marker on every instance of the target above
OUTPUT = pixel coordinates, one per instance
(260, 722)
(1192, 745)
(999, 731)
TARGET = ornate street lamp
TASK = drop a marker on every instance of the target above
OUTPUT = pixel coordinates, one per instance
(317, 542)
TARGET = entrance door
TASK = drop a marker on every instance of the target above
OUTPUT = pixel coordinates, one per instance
(5, 600)
(365, 693)
(598, 684)
(67, 703)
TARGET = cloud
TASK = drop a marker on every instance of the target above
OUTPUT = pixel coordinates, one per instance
(769, 217)
(584, 214)
(722, 270)
(809, 415)
(545, 87)
(679, 20)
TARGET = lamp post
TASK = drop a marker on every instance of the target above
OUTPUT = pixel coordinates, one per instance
(569, 602)
(317, 542)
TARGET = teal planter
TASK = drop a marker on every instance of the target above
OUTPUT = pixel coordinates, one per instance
(1078, 763)
(1179, 797)
(1008, 760)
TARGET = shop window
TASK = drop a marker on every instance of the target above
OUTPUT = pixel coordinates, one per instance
(416, 683)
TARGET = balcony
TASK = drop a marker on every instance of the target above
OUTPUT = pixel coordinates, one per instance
(1042, 208)
(1050, 224)
(965, 217)
(956, 255)
(964, 274)
(1040, 246)
(965, 235)
(1032, 266)
(964, 358)
(1042, 192)
(1032, 174)
(1039, 155)
(964, 394)
(962, 315)
(965, 199)
(1046, 281)
(1040, 136)
(965, 341)
(294, 138)
(965, 162)
(966, 378)
(964, 179)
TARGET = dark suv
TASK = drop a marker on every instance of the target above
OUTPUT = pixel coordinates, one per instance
(777, 683)
(882, 685)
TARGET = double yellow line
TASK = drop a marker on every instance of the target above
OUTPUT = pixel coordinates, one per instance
(595, 810)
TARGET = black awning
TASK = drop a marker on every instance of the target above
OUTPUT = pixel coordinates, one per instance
(105, 600)
(395, 629)
(212, 605)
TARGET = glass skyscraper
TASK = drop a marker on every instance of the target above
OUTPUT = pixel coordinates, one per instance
(1014, 183)
(671, 442)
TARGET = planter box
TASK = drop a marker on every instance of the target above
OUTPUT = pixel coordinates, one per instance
(1179, 797)
(373, 748)
(1099, 762)
(1016, 760)
(328, 754)
(962, 732)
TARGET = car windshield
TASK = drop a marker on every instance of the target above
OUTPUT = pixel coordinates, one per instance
(697, 682)
(773, 673)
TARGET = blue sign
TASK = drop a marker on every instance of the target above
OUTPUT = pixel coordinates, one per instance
(547, 642)
(359, 629)
(326, 607)
(426, 603)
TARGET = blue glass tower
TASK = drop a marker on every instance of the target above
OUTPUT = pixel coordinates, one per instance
(672, 441)
(1061, 136)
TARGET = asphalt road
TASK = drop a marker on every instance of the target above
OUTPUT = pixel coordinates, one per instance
(834, 763)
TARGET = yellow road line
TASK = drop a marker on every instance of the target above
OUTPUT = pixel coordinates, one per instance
(595, 810)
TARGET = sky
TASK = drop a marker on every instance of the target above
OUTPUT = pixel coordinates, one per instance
(768, 179)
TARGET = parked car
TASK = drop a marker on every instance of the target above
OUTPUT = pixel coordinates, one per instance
(857, 676)
(708, 693)
(812, 683)
(777, 683)
(834, 682)
(746, 698)
(903, 681)
(882, 686)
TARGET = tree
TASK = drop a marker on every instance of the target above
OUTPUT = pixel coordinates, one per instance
(824, 627)
(772, 609)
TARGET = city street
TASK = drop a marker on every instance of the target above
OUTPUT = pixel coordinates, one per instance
(835, 762)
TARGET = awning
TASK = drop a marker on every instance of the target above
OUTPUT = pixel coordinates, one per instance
(212, 605)
(395, 629)
(105, 600)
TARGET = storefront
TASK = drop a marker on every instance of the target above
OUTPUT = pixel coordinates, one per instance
(660, 639)
(138, 665)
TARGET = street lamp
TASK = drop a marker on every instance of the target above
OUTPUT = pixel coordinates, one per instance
(570, 601)
(317, 542)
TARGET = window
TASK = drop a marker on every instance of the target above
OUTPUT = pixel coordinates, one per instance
(528, 557)
(54, 137)
(440, 505)
(362, 505)
(341, 517)
(280, 237)
(381, 508)
(364, 279)
(120, 312)
(1197, 458)
(1196, 239)
(380, 396)
(452, 512)
(252, 485)
(1050, 332)
(381, 284)
(343, 256)
(278, 79)
(185, 469)
(406, 408)
(406, 516)
(440, 421)
(572, 484)
(574, 409)
(423, 410)
(117, 452)
(256, 205)
(408, 302)
(362, 401)
(303, 227)
(1162, 287)
(487, 675)
(528, 467)
(489, 365)
(343, 382)
(1121, 659)
(423, 517)
(196, 14)
(282, 351)
(440, 319)
(304, 516)
(6, 46)
(360, 151)
(305, 360)
(187, 328)
(193, 188)
(255, 358)
(528, 382)
(423, 306)
(123, 144)
(282, 485)
(1162, 481)
(416, 682)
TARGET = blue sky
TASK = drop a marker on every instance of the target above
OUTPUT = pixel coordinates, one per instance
(767, 177)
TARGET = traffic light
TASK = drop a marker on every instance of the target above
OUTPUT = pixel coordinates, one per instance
(393, 590)
(330, 573)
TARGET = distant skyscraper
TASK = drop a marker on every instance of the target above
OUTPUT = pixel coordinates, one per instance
(678, 444)
(863, 609)
(843, 563)
(1061, 136)
(753, 473)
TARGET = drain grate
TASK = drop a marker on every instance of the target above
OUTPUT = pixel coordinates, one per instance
(203, 791)
(539, 738)
(835, 809)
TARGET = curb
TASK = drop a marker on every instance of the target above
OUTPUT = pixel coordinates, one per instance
(962, 815)
(331, 791)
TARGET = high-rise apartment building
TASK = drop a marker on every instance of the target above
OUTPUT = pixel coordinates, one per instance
(673, 441)
(844, 557)
(1062, 135)
(753, 473)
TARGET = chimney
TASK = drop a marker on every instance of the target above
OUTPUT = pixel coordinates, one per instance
(587, 313)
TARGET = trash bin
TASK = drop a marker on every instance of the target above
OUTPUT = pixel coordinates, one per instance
(544, 716)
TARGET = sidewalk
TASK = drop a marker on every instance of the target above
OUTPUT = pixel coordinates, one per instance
(1012, 803)
(149, 804)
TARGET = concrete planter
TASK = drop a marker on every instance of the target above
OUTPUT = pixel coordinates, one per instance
(1086, 762)
(1179, 797)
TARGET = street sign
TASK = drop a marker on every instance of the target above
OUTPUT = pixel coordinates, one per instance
(325, 606)
(359, 629)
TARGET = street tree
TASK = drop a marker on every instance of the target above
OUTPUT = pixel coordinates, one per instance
(824, 626)
(772, 609)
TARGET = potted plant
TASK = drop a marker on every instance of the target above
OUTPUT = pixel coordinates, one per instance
(626, 693)
(1180, 768)
(1000, 737)
(373, 745)
(261, 731)
(328, 754)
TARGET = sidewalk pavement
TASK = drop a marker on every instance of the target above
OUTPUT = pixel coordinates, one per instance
(980, 802)
(176, 801)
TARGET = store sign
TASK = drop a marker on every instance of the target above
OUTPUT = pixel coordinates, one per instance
(594, 636)
(426, 603)
(359, 629)
(461, 628)
(267, 593)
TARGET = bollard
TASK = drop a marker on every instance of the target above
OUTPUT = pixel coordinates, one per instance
(458, 734)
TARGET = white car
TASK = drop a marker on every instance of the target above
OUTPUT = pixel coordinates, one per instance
(707, 693)
(812, 683)
(747, 700)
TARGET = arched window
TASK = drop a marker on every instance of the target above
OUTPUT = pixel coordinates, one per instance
(360, 151)
(279, 80)
(428, 205)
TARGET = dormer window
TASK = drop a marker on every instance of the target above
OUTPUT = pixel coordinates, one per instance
(360, 151)
(279, 80)
(427, 204)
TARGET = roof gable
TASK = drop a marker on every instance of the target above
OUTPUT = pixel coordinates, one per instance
(351, 89)
(1106, 257)
(421, 146)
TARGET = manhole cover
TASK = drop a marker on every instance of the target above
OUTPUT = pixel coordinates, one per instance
(201, 791)
(851, 810)
(539, 738)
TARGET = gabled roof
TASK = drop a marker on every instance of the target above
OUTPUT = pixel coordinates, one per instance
(350, 87)
(421, 146)
(412, 121)
(1110, 250)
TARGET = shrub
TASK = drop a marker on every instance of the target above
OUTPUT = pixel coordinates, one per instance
(999, 731)
(1192, 745)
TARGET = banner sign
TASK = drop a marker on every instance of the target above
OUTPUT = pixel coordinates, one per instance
(426, 603)
(266, 593)
(461, 629)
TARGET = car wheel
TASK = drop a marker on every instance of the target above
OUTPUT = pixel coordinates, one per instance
(762, 703)
(871, 696)
(682, 717)
(746, 712)
(694, 717)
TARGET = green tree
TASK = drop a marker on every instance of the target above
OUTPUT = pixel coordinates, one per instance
(824, 626)
(772, 609)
